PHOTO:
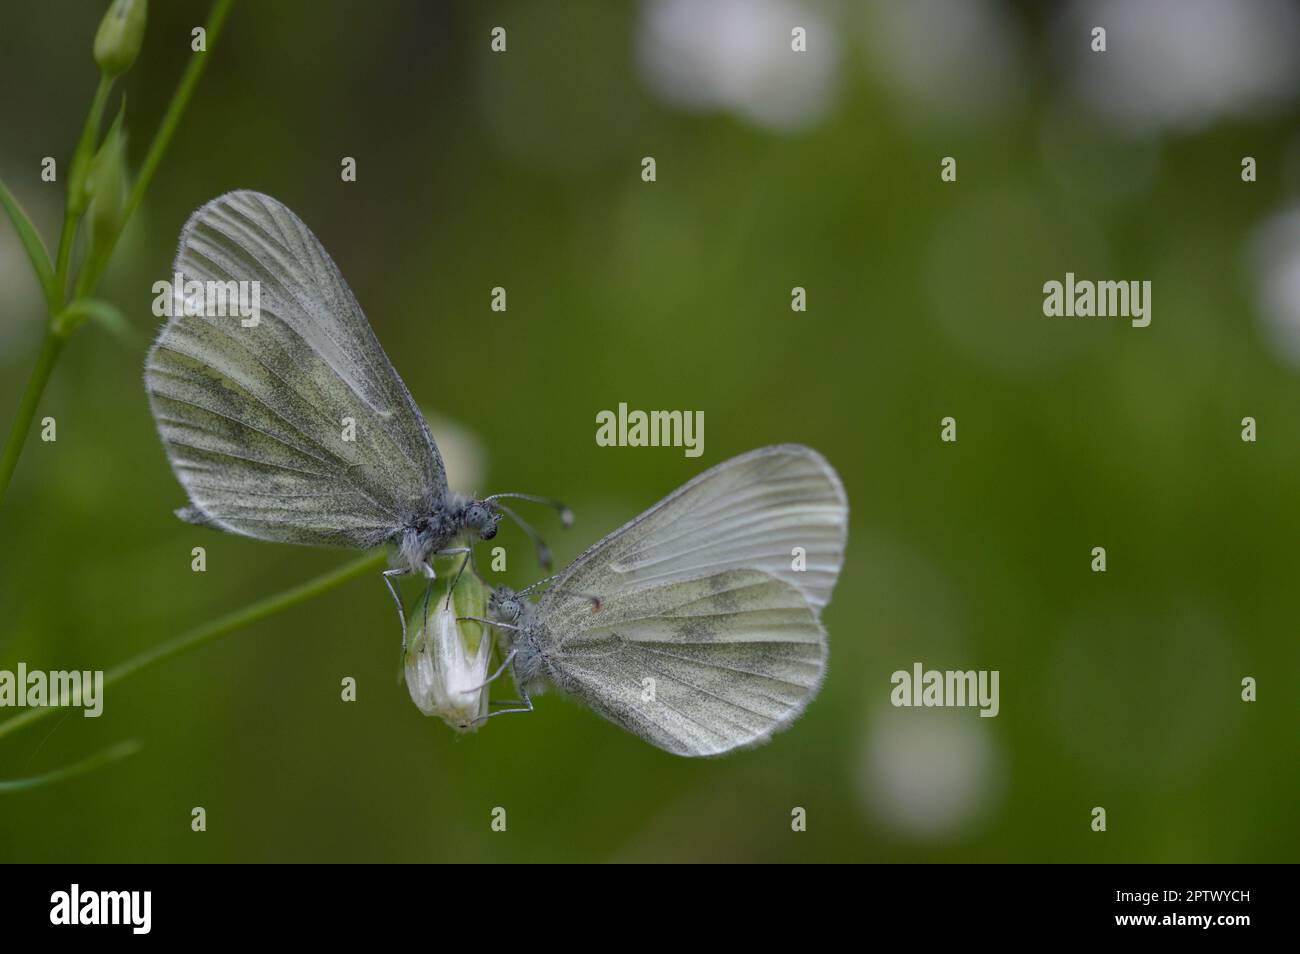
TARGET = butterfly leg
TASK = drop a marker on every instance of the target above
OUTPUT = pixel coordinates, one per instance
(509, 656)
(469, 556)
(496, 675)
(526, 707)
(488, 622)
(389, 576)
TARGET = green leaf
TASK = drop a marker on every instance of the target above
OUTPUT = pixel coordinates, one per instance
(102, 313)
(31, 239)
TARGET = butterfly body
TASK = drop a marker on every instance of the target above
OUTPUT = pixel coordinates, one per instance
(526, 639)
(428, 533)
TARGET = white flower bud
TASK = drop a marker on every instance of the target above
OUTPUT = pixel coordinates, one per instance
(447, 664)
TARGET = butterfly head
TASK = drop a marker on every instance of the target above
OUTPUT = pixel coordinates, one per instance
(516, 614)
(506, 605)
(482, 518)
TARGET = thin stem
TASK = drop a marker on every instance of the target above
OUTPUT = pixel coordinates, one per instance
(111, 754)
(193, 71)
(76, 184)
(198, 63)
(92, 271)
(221, 627)
(66, 240)
(50, 350)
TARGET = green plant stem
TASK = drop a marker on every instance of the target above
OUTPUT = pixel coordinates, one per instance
(76, 183)
(220, 627)
(176, 109)
(50, 349)
(66, 240)
(56, 291)
(110, 754)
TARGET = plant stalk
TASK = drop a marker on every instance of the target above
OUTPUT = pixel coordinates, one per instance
(77, 172)
(50, 350)
(162, 139)
(92, 271)
(220, 627)
(111, 754)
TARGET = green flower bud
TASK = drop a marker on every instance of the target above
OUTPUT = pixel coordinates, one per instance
(108, 188)
(121, 32)
(79, 183)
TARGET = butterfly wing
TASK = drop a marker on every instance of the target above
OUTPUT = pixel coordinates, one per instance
(696, 667)
(297, 428)
(758, 511)
(713, 595)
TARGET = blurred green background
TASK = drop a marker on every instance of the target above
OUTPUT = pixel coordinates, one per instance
(775, 169)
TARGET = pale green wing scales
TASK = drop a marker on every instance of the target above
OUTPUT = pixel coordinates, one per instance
(779, 509)
(695, 667)
(294, 428)
(696, 625)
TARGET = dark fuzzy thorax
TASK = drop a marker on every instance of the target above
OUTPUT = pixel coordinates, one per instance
(428, 533)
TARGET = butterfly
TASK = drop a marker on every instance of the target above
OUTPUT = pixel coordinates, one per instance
(696, 626)
(291, 425)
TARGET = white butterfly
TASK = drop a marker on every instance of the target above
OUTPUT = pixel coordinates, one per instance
(296, 428)
(695, 626)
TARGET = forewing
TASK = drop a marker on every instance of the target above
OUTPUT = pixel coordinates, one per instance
(695, 667)
(297, 429)
(773, 509)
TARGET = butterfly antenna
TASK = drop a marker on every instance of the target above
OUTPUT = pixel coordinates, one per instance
(543, 551)
(532, 586)
(566, 515)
